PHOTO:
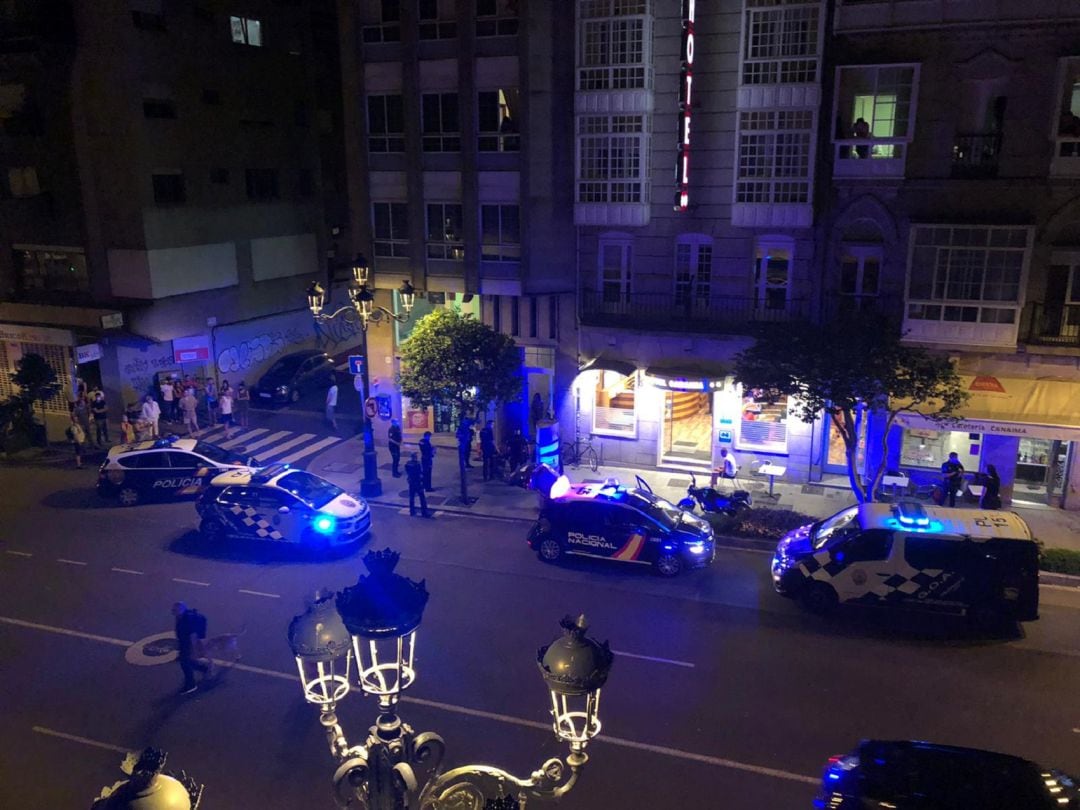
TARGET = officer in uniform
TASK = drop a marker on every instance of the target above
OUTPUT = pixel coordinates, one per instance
(394, 440)
(487, 449)
(427, 459)
(415, 473)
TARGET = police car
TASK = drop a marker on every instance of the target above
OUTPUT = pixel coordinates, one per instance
(283, 505)
(627, 524)
(977, 562)
(168, 468)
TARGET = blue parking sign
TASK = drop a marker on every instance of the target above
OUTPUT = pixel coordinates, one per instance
(356, 364)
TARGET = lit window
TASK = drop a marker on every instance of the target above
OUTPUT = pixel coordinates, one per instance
(498, 118)
(763, 425)
(246, 31)
(772, 274)
(23, 181)
(386, 124)
(613, 412)
(500, 233)
(445, 232)
(441, 129)
(391, 221)
(875, 110)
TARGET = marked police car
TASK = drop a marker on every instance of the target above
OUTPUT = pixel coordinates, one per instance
(283, 505)
(977, 562)
(168, 468)
(628, 524)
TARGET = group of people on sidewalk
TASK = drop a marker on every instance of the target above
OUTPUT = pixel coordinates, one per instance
(952, 473)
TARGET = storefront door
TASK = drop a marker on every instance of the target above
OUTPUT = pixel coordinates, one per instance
(687, 427)
(1041, 465)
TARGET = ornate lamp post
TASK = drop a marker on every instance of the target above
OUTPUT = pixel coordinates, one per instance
(375, 622)
(149, 787)
(362, 305)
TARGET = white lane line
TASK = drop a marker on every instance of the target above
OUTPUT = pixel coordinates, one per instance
(279, 448)
(48, 732)
(672, 661)
(116, 642)
(244, 436)
(313, 448)
(127, 571)
(501, 718)
(191, 582)
(265, 440)
(18, 553)
(70, 562)
(260, 593)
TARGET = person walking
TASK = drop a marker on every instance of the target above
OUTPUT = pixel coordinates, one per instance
(331, 402)
(190, 633)
(393, 440)
(211, 402)
(189, 410)
(728, 467)
(127, 430)
(168, 402)
(100, 413)
(76, 438)
(81, 412)
(243, 403)
(953, 473)
(991, 497)
(487, 449)
(226, 405)
(464, 439)
(414, 472)
(427, 459)
(151, 414)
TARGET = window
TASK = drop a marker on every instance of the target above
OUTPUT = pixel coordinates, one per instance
(386, 124)
(930, 552)
(211, 96)
(246, 31)
(772, 274)
(496, 18)
(693, 269)
(52, 271)
(860, 274)
(262, 184)
(444, 232)
(553, 317)
(159, 108)
(23, 181)
(534, 318)
(442, 132)
(875, 108)
(498, 120)
(169, 188)
(1067, 130)
(971, 274)
(500, 233)
(613, 404)
(872, 545)
(1060, 316)
(219, 176)
(515, 317)
(390, 28)
(781, 43)
(612, 161)
(774, 156)
(437, 19)
(149, 461)
(930, 448)
(763, 425)
(148, 20)
(612, 39)
(614, 257)
(391, 221)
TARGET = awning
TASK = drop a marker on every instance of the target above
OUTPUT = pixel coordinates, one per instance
(1039, 409)
(687, 376)
(606, 363)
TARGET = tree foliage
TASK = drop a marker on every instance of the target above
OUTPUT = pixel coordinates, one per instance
(450, 357)
(847, 369)
(37, 383)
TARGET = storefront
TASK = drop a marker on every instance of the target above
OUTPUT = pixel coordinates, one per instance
(57, 346)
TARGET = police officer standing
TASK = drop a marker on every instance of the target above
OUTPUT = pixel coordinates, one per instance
(464, 439)
(487, 449)
(427, 459)
(393, 438)
(415, 473)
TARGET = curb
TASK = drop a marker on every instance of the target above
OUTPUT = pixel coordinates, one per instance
(1060, 580)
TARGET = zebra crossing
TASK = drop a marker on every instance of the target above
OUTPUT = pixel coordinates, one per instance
(270, 447)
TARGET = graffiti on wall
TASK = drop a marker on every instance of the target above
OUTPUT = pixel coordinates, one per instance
(344, 329)
(258, 350)
(138, 367)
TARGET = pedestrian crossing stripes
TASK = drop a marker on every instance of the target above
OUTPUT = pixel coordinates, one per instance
(278, 447)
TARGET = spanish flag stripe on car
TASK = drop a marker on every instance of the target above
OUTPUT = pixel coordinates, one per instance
(632, 548)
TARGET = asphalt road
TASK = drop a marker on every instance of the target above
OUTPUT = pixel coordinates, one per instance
(723, 694)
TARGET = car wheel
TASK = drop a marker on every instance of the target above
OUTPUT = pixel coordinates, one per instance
(128, 496)
(212, 529)
(550, 550)
(668, 564)
(294, 396)
(819, 598)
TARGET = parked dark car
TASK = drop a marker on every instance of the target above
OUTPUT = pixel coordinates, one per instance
(292, 376)
(909, 775)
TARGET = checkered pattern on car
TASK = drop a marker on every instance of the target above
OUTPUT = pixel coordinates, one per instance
(251, 519)
(904, 579)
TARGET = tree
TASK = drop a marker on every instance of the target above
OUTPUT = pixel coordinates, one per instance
(845, 370)
(38, 383)
(450, 357)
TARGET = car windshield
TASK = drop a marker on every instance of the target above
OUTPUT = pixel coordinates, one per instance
(311, 489)
(662, 511)
(219, 454)
(286, 365)
(839, 525)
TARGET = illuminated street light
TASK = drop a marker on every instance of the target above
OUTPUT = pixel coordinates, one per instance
(376, 622)
(149, 787)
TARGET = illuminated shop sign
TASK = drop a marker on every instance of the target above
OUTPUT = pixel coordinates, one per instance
(686, 85)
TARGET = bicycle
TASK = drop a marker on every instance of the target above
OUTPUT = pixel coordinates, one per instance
(577, 454)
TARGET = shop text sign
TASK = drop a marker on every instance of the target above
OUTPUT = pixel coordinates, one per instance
(191, 349)
(686, 86)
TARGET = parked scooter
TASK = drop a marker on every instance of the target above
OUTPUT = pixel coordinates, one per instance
(712, 500)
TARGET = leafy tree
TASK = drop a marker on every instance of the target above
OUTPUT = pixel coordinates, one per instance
(38, 384)
(450, 357)
(846, 370)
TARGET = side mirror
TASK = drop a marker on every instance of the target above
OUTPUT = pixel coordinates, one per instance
(283, 510)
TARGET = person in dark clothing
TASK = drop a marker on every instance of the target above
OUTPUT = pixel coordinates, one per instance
(415, 474)
(464, 442)
(99, 411)
(393, 440)
(427, 459)
(517, 448)
(487, 449)
(190, 631)
(953, 473)
(991, 498)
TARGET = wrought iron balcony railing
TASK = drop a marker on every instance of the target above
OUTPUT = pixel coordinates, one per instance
(1053, 324)
(976, 155)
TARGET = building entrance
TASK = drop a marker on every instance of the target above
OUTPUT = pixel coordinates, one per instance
(687, 428)
(1041, 466)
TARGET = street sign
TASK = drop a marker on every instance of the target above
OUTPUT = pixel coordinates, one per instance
(114, 320)
(193, 349)
(356, 364)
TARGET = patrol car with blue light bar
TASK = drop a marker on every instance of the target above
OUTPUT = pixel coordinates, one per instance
(626, 524)
(977, 562)
(280, 504)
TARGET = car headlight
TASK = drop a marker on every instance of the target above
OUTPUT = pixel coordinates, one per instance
(283, 389)
(696, 548)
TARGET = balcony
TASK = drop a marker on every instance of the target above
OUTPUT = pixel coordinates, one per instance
(1056, 324)
(869, 158)
(725, 314)
(975, 156)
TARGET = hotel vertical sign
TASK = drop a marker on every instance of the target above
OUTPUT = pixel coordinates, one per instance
(686, 86)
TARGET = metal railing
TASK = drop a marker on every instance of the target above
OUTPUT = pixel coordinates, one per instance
(976, 155)
(733, 315)
(1055, 324)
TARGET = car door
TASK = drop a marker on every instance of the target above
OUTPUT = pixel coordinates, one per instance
(637, 538)
(586, 530)
(861, 566)
(282, 516)
(937, 570)
(193, 471)
(154, 474)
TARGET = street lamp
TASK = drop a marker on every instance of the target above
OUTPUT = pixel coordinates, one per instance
(375, 622)
(149, 787)
(362, 305)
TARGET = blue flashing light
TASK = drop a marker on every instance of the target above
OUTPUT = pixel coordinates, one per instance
(324, 524)
(931, 527)
(834, 775)
(911, 514)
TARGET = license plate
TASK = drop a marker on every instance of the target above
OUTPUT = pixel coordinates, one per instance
(265, 396)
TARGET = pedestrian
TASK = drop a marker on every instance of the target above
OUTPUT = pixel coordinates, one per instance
(427, 459)
(190, 633)
(226, 405)
(100, 412)
(516, 449)
(728, 467)
(151, 414)
(81, 412)
(464, 439)
(243, 403)
(168, 403)
(76, 438)
(178, 393)
(189, 410)
(415, 474)
(331, 402)
(952, 472)
(211, 402)
(127, 430)
(991, 498)
(393, 439)
(487, 449)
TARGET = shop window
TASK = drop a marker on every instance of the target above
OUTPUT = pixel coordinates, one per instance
(930, 448)
(836, 455)
(763, 425)
(613, 405)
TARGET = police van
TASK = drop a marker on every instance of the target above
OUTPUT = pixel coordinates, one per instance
(976, 562)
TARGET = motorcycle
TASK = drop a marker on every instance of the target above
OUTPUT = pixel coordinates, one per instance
(712, 500)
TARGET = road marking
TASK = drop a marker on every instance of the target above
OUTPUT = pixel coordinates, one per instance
(265, 440)
(18, 553)
(280, 448)
(313, 448)
(48, 732)
(243, 437)
(260, 593)
(117, 642)
(657, 660)
(70, 562)
(127, 571)
(191, 582)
